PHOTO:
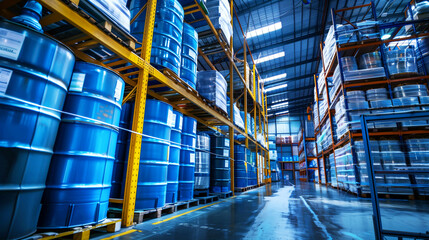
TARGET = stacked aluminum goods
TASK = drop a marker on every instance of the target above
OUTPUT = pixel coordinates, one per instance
(188, 69)
(187, 159)
(220, 16)
(202, 162)
(240, 166)
(212, 85)
(174, 158)
(115, 10)
(122, 147)
(35, 69)
(79, 179)
(220, 178)
(154, 156)
(167, 32)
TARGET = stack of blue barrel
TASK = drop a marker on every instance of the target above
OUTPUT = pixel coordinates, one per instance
(167, 33)
(122, 147)
(187, 159)
(152, 180)
(240, 166)
(174, 158)
(202, 163)
(188, 70)
(79, 179)
(38, 74)
(220, 178)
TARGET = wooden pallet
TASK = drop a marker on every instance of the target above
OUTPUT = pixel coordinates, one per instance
(223, 194)
(187, 204)
(208, 199)
(201, 193)
(110, 225)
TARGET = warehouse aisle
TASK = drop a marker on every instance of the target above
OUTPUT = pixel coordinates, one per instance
(304, 211)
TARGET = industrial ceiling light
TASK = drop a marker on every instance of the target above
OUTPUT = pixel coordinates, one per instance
(279, 105)
(282, 112)
(386, 36)
(264, 30)
(283, 75)
(270, 57)
(276, 87)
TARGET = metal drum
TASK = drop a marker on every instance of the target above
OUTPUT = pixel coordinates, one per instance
(187, 159)
(80, 175)
(202, 162)
(152, 180)
(240, 167)
(174, 158)
(122, 146)
(220, 178)
(35, 69)
(188, 70)
(167, 32)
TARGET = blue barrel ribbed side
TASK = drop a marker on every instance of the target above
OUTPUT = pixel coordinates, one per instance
(220, 178)
(121, 153)
(167, 33)
(152, 180)
(240, 167)
(188, 70)
(174, 158)
(39, 73)
(202, 162)
(80, 175)
(187, 159)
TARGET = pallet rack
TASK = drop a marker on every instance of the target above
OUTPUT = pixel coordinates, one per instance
(304, 170)
(84, 33)
(351, 49)
(283, 164)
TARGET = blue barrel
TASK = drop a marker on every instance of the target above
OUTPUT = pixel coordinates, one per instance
(80, 175)
(202, 162)
(220, 178)
(240, 167)
(174, 158)
(121, 153)
(35, 69)
(188, 70)
(187, 159)
(167, 33)
(152, 180)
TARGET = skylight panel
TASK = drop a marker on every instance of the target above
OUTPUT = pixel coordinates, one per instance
(280, 76)
(276, 88)
(270, 57)
(264, 30)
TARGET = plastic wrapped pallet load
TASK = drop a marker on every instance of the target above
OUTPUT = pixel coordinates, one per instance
(212, 85)
(114, 10)
(402, 61)
(220, 16)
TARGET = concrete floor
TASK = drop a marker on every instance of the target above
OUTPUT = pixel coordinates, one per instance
(283, 211)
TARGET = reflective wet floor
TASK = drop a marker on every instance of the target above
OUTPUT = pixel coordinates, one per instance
(283, 211)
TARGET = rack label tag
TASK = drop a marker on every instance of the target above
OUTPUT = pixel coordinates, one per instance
(5, 75)
(77, 81)
(226, 164)
(10, 43)
(192, 158)
(118, 90)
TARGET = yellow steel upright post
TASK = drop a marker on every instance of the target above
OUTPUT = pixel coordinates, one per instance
(138, 120)
(246, 78)
(231, 107)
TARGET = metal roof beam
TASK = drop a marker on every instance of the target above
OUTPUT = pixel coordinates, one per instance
(242, 11)
(291, 65)
(280, 44)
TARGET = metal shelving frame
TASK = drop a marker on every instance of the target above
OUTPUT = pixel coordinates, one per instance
(379, 232)
(352, 49)
(132, 65)
(291, 144)
(304, 172)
